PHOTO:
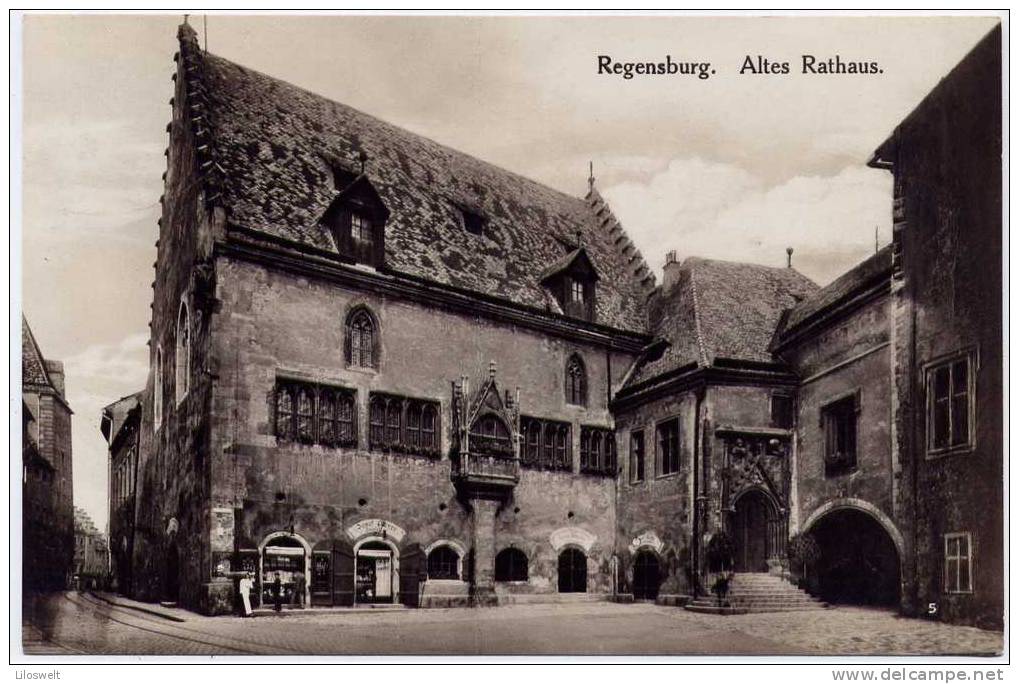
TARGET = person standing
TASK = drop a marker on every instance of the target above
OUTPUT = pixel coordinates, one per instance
(299, 587)
(277, 592)
(245, 587)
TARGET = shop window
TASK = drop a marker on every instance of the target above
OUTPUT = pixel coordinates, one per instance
(511, 566)
(443, 564)
(667, 434)
(958, 563)
(839, 422)
(950, 406)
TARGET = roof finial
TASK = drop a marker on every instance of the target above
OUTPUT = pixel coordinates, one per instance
(580, 238)
(362, 157)
(789, 257)
(590, 175)
(491, 368)
(186, 19)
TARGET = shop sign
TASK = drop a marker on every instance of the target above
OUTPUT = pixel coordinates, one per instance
(376, 527)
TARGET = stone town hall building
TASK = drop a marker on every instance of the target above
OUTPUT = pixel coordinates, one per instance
(404, 374)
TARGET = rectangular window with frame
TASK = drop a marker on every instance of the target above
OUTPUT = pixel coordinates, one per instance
(403, 425)
(315, 414)
(838, 419)
(667, 434)
(636, 456)
(958, 563)
(782, 411)
(950, 405)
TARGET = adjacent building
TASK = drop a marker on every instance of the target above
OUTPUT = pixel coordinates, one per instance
(119, 425)
(946, 330)
(383, 370)
(47, 497)
(91, 553)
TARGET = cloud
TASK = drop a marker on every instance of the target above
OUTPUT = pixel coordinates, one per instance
(719, 210)
(96, 377)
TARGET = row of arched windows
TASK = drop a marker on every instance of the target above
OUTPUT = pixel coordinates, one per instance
(362, 344)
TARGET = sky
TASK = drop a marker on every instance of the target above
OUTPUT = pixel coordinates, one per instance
(735, 166)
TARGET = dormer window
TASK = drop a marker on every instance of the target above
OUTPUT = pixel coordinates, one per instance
(573, 281)
(356, 219)
(361, 230)
(576, 291)
(473, 222)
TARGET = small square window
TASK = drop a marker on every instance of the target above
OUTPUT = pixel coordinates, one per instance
(958, 563)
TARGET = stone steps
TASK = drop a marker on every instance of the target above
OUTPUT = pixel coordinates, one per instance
(757, 593)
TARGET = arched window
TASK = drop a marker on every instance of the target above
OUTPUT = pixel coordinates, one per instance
(489, 434)
(413, 432)
(157, 390)
(532, 441)
(563, 455)
(362, 339)
(182, 359)
(327, 432)
(443, 563)
(576, 381)
(511, 566)
(347, 426)
(305, 415)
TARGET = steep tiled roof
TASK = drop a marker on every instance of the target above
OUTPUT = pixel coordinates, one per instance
(721, 309)
(33, 366)
(276, 148)
(864, 274)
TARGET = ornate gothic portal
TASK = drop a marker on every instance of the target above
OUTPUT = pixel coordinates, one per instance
(755, 495)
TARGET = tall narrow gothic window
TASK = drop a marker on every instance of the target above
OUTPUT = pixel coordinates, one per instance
(428, 421)
(377, 419)
(576, 381)
(157, 390)
(284, 413)
(182, 360)
(361, 340)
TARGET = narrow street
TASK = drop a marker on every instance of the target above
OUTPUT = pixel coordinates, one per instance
(81, 623)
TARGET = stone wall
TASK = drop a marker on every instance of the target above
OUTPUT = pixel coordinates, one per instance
(270, 323)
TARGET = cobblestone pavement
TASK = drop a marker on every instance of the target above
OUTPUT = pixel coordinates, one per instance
(82, 623)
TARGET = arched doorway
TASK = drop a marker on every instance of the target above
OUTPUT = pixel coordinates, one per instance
(171, 587)
(859, 563)
(646, 576)
(287, 557)
(572, 571)
(377, 573)
(751, 517)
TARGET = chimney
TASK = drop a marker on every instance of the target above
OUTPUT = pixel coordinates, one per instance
(670, 273)
(55, 369)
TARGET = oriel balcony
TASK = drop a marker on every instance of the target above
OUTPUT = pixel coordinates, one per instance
(485, 470)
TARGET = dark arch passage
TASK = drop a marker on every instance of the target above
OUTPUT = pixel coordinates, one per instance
(572, 571)
(858, 564)
(646, 576)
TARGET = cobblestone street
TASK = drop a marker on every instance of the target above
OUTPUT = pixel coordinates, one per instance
(74, 623)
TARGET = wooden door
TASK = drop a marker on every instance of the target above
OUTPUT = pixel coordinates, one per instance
(343, 574)
(411, 567)
(751, 534)
(572, 571)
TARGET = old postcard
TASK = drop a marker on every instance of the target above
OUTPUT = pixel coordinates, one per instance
(590, 335)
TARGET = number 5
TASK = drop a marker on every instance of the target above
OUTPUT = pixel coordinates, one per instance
(932, 608)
